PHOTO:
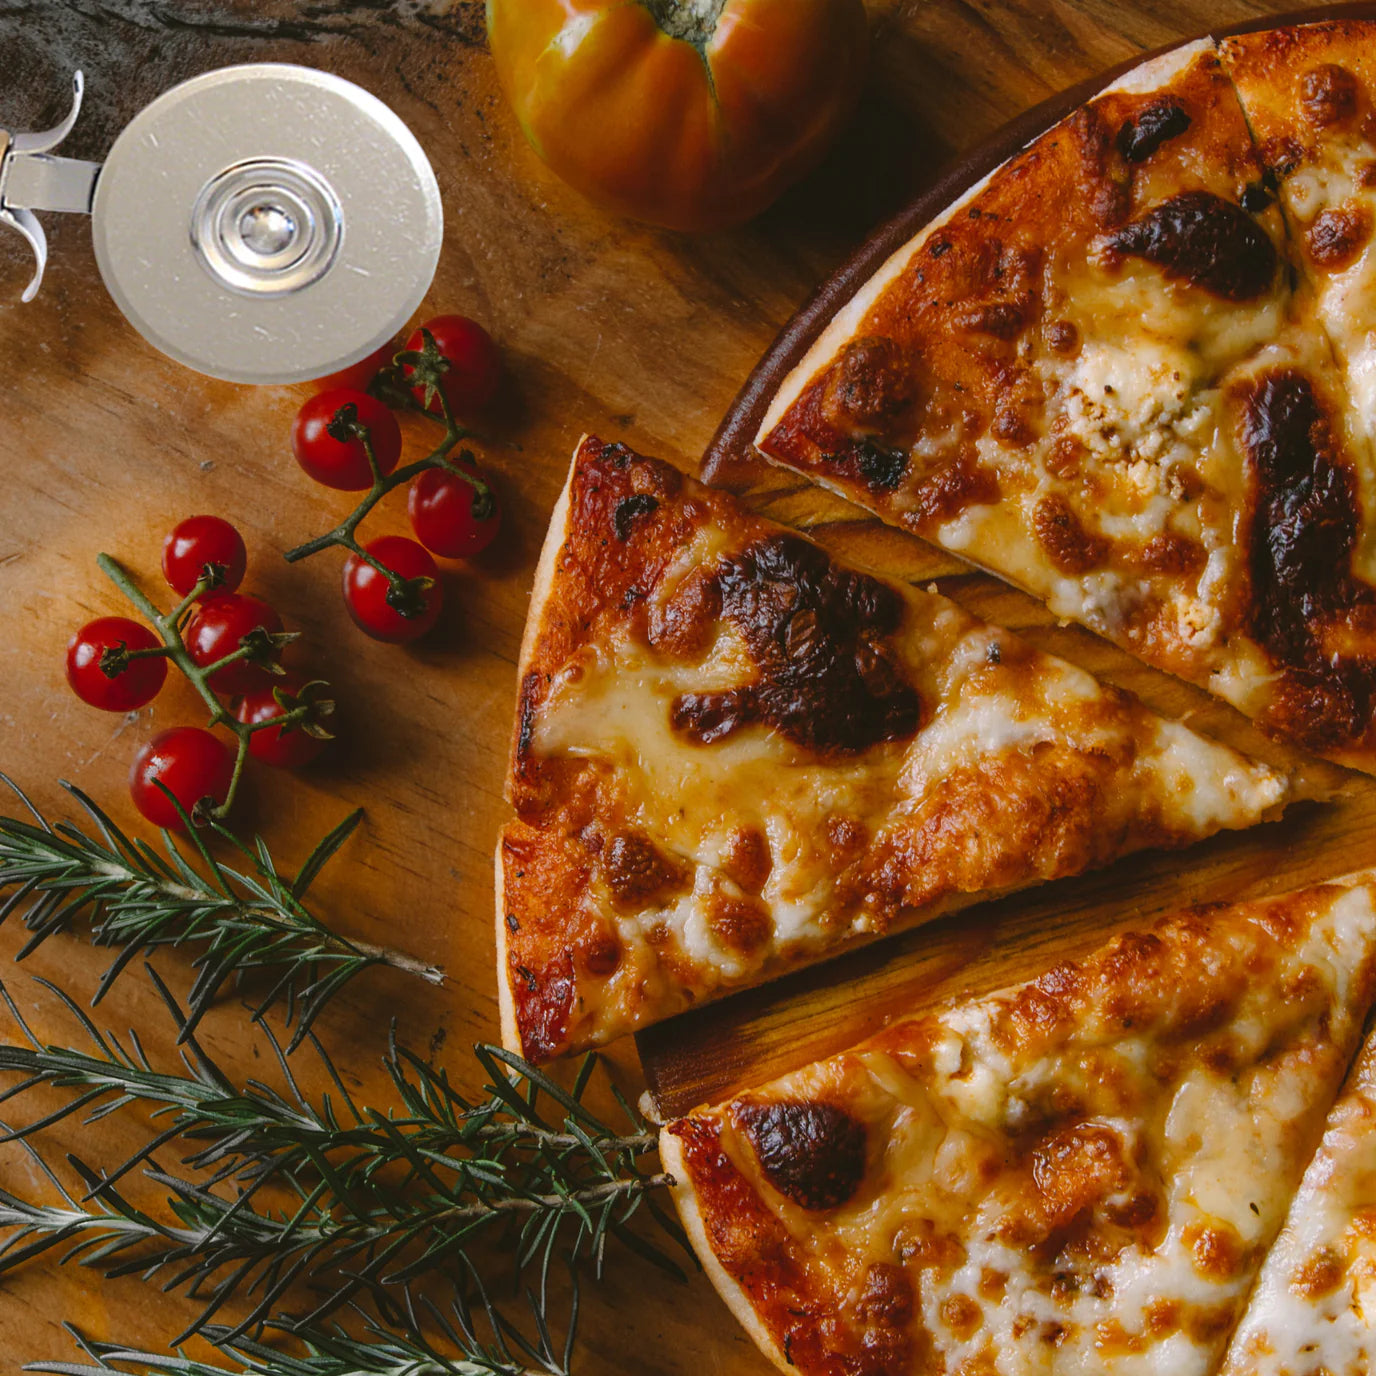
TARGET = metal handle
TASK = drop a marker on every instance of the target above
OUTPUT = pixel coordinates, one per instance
(32, 179)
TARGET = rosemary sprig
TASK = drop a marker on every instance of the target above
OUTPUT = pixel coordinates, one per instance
(427, 368)
(376, 1198)
(248, 919)
(506, 1351)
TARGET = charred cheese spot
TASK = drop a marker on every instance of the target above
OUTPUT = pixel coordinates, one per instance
(1062, 336)
(811, 1153)
(1010, 426)
(1216, 1250)
(1171, 553)
(875, 379)
(638, 872)
(1303, 531)
(1338, 235)
(1320, 1275)
(819, 636)
(886, 1297)
(1328, 95)
(1000, 319)
(741, 925)
(960, 484)
(682, 627)
(1069, 546)
(599, 952)
(629, 510)
(1202, 240)
(1077, 1167)
(748, 860)
(881, 469)
(961, 1315)
(1161, 121)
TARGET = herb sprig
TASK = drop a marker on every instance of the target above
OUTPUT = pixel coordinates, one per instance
(250, 918)
(355, 1199)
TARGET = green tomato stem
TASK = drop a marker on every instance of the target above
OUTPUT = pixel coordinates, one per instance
(174, 648)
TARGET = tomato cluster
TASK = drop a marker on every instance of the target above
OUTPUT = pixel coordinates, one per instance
(448, 516)
(120, 665)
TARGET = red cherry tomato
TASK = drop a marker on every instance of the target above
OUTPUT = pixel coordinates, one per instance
(441, 509)
(475, 367)
(135, 684)
(196, 542)
(284, 749)
(188, 761)
(358, 375)
(343, 463)
(371, 601)
(217, 628)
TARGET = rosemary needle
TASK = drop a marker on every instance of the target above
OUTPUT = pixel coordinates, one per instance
(362, 1198)
(246, 919)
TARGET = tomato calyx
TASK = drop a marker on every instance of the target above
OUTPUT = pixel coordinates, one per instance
(406, 596)
(301, 708)
(424, 370)
(115, 659)
(693, 21)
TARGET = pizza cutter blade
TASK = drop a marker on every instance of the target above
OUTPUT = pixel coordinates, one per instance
(261, 223)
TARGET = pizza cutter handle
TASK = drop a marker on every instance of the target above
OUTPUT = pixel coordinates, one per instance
(33, 179)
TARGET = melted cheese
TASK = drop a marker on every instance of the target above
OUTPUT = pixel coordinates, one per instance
(610, 707)
(1314, 1306)
(1214, 1121)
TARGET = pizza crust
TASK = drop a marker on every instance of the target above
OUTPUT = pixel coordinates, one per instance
(690, 1215)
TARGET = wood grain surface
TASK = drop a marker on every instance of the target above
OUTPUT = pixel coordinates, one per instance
(606, 326)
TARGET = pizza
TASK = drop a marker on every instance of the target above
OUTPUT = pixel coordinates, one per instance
(1313, 1312)
(1132, 372)
(735, 756)
(1080, 1175)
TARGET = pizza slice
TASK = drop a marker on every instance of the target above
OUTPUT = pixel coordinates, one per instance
(1079, 1175)
(735, 756)
(1313, 1311)
(1095, 376)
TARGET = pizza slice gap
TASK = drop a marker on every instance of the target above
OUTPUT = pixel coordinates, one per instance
(1313, 1310)
(1079, 1175)
(1096, 377)
(735, 756)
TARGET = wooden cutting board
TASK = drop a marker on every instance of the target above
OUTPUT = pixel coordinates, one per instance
(606, 326)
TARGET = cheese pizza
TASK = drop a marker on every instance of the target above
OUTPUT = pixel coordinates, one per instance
(735, 756)
(1080, 1175)
(1313, 1312)
(1107, 374)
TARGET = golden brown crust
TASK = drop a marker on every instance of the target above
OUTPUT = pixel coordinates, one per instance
(1057, 1136)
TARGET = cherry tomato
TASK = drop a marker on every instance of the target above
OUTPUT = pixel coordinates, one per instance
(358, 375)
(343, 463)
(188, 761)
(475, 367)
(196, 542)
(441, 509)
(285, 749)
(217, 628)
(136, 683)
(369, 597)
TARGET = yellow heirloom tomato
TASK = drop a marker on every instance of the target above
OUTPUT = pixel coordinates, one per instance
(687, 113)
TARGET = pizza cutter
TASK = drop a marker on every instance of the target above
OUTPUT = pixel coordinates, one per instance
(259, 223)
